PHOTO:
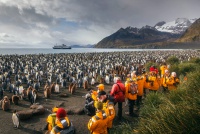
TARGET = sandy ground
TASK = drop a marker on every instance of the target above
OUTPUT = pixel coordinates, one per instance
(35, 124)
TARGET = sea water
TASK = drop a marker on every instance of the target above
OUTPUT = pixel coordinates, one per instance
(22, 51)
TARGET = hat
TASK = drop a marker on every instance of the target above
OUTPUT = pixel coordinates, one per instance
(101, 86)
(87, 95)
(54, 109)
(61, 113)
(99, 105)
(173, 74)
(101, 93)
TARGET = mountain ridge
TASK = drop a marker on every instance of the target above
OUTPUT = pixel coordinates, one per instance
(147, 36)
(177, 26)
(192, 34)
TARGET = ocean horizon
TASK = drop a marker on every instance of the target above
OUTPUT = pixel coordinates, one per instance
(23, 51)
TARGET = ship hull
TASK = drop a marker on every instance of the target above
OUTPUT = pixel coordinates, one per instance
(62, 48)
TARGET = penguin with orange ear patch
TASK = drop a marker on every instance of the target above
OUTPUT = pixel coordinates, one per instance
(47, 92)
(70, 87)
(73, 89)
(85, 85)
(15, 119)
(85, 82)
(35, 95)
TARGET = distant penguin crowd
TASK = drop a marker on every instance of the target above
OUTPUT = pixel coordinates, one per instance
(53, 71)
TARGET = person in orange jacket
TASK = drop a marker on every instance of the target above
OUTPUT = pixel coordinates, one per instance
(100, 87)
(164, 79)
(140, 83)
(145, 84)
(163, 67)
(63, 124)
(108, 107)
(98, 123)
(51, 119)
(154, 82)
(127, 79)
(131, 96)
(172, 82)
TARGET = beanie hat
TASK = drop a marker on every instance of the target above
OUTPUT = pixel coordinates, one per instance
(99, 105)
(61, 113)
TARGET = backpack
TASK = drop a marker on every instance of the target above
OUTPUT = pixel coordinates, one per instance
(133, 89)
(69, 130)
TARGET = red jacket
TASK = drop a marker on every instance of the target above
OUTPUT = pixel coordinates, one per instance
(118, 94)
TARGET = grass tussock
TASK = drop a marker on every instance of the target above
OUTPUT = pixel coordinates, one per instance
(152, 103)
(124, 128)
(178, 112)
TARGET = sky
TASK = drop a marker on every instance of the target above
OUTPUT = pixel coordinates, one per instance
(44, 23)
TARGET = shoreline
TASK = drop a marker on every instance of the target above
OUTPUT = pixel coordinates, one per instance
(37, 51)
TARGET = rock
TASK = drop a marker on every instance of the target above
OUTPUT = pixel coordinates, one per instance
(25, 114)
(38, 109)
(72, 111)
(79, 111)
(63, 95)
(60, 104)
(34, 106)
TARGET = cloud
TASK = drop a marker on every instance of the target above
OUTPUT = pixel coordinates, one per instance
(34, 22)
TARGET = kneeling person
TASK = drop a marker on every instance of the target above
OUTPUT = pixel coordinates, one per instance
(108, 106)
(63, 125)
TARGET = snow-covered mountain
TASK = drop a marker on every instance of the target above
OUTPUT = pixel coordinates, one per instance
(178, 26)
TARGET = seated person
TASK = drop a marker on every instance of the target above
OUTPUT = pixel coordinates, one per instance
(63, 125)
(89, 105)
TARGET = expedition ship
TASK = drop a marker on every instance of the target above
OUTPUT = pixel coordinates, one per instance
(63, 46)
